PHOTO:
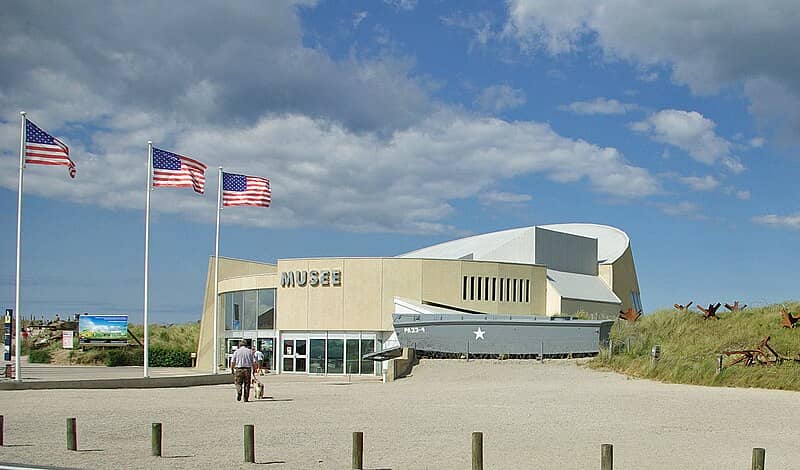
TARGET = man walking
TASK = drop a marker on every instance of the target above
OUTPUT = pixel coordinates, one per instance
(242, 364)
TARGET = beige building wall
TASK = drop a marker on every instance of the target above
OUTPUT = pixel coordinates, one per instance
(624, 279)
(236, 273)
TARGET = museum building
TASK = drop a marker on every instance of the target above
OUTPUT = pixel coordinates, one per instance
(322, 315)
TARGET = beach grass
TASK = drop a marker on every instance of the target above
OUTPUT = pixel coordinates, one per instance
(690, 345)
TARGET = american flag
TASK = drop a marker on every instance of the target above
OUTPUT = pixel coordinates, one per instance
(42, 148)
(176, 171)
(243, 190)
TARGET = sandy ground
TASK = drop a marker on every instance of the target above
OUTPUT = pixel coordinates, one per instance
(534, 416)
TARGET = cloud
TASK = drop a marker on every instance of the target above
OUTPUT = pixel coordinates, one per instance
(406, 5)
(692, 132)
(324, 174)
(358, 143)
(498, 98)
(705, 47)
(686, 209)
(500, 197)
(481, 25)
(598, 105)
(756, 142)
(358, 17)
(781, 221)
(697, 183)
(742, 194)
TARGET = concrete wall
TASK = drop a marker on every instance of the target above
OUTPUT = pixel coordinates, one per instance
(624, 279)
(601, 309)
(566, 252)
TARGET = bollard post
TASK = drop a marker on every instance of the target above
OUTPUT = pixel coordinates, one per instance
(358, 450)
(155, 440)
(2, 425)
(655, 354)
(72, 434)
(607, 457)
(541, 351)
(758, 458)
(719, 363)
(249, 443)
(477, 451)
(610, 348)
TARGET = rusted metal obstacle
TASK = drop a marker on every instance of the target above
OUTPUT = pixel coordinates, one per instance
(788, 320)
(735, 307)
(683, 308)
(631, 315)
(711, 311)
(764, 355)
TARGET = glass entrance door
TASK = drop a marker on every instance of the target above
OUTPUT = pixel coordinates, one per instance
(266, 346)
(294, 355)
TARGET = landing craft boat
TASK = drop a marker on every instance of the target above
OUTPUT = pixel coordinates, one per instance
(514, 335)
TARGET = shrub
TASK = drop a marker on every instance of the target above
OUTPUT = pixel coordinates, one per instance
(124, 357)
(39, 356)
(162, 357)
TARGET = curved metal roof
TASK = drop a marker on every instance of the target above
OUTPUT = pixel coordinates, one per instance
(517, 245)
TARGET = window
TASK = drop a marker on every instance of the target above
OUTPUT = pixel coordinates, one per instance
(335, 356)
(266, 309)
(234, 307)
(249, 309)
(527, 290)
(464, 289)
(486, 288)
(508, 290)
(250, 306)
(479, 288)
(367, 346)
(472, 288)
(316, 358)
(636, 300)
(353, 359)
(515, 290)
(494, 287)
(501, 289)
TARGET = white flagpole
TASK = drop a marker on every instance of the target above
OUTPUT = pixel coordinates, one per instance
(17, 323)
(147, 257)
(216, 272)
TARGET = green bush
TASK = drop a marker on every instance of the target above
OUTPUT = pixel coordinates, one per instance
(39, 356)
(162, 357)
(124, 357)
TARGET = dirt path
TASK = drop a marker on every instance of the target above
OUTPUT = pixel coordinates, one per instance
(533, 415)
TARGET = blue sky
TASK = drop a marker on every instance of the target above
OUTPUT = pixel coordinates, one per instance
(386, 126)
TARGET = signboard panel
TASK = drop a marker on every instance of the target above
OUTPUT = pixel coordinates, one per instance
(7, 328)
(67, 339)
(103, 329)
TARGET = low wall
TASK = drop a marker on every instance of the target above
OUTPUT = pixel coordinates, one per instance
(138, 382)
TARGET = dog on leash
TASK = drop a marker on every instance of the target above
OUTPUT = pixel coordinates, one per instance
(259, 388)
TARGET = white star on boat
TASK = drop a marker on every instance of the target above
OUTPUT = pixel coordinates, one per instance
(479, 333)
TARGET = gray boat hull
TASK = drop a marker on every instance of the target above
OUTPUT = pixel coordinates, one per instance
(500, 334)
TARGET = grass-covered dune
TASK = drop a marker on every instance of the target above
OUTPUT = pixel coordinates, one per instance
(690, 345)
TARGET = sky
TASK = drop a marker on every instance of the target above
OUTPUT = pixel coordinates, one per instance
(387, 126)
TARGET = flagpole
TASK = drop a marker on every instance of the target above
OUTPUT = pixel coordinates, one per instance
(216, 273)
(147, 257)
(17, 323)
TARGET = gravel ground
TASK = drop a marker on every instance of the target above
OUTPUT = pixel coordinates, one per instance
(533, 416)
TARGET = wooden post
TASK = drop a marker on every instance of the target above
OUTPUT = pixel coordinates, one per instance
(155, 440)
(72, 434)
(758, 458)
(607, 457)
(719, 363)
(477, 451)
(358, 450)
(2, 425)
(249, 443)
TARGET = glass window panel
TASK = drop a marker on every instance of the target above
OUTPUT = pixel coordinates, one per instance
(288, 364)
(300, 345)
(288, 347)
(515, 290)
(527, 290)
(227, 307)
(479, 288)
(266, 309)
(494, 288)
(367, 346)
(353, 359)
(250, 306)
(300, 364)
(335, 356)
(472, 288)
(464, 289)
(265, 345)
(501, 289)
(236, 299)
(316, 360)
